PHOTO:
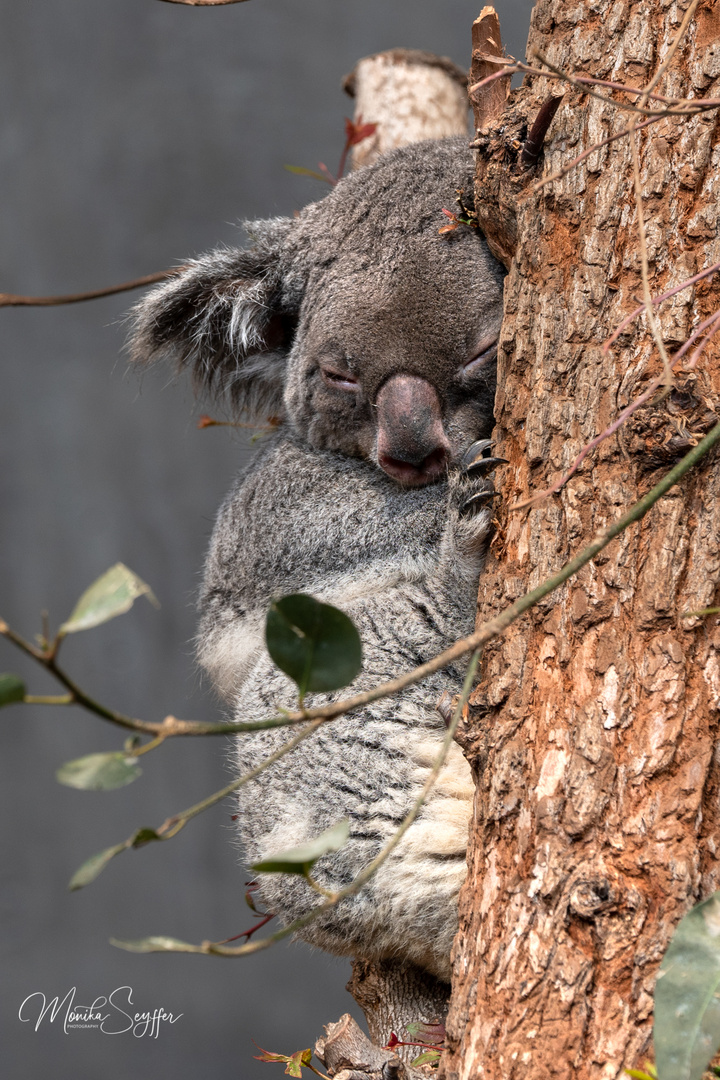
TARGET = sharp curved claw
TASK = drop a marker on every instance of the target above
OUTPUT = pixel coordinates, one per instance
(476, 451)
(485, 465)
(477, 501)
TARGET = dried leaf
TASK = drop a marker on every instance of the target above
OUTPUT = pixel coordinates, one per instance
(112, 594)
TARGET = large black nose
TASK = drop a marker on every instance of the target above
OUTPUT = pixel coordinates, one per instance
(412, 446)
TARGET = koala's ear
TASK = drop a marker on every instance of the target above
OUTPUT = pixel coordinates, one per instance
(228, 317)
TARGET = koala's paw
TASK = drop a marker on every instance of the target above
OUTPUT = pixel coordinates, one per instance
(475, 491)
(472, 497)
(471, 489)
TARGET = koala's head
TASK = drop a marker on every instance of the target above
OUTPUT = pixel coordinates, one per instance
(358, 323)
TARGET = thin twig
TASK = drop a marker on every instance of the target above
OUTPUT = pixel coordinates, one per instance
(637, 185)
(644, 266)
(174, 824)
(714, 324)
(582, 85)
(659, 299)
(506, 73)
(166, 729)
(11, 300)
(639, 90)
(710, 324)
(673, 47)
(580, 158)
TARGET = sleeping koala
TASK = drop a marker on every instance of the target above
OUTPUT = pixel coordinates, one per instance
(373, 337)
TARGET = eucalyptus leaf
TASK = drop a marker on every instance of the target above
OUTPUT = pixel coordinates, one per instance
(12, 689)
(299, 860)
(94, 866)
(112, 594)
(428, 1057)
(99, 772)
(316, 644)
(145, 836)
(687, 995)
(156, 944)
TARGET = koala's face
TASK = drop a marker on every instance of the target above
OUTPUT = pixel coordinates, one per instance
(393, 356)
(395, 363)
(373, 334)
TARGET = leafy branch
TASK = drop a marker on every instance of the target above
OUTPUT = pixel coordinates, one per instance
(310, 638)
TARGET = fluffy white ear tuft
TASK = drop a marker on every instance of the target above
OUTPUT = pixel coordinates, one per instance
(227, 318)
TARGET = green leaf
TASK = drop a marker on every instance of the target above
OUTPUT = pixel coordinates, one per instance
(299, 860)
(94, 866)
(12, 689)
(112, 594)
(97, 863)
(145, 836)
(422, 1032)
(687, 995)
(315, 644)
(428, 1057)
(156, 944)
(99, 772)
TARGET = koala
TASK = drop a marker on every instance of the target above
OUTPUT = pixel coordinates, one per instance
(372, 337)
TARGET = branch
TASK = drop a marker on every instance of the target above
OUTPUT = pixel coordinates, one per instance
(486, 58)
(534, 142)
(11, 300)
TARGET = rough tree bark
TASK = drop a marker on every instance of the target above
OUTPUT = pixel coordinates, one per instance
(594, 731)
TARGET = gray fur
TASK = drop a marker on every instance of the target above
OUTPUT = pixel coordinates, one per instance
(364, 282)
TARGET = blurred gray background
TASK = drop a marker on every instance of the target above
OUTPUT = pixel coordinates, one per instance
(134, 133)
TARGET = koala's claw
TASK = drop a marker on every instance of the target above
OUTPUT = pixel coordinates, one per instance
(476, 451)
(476, 463)
(478, 501)
(485, 465)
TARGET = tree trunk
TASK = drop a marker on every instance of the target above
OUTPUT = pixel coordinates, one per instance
(594, 730)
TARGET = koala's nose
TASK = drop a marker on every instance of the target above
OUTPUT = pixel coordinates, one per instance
(412, 446)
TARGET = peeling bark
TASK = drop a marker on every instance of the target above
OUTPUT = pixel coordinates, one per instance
(594, 732)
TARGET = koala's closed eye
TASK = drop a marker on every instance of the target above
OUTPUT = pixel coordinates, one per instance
(338, 379)
(485, 356)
